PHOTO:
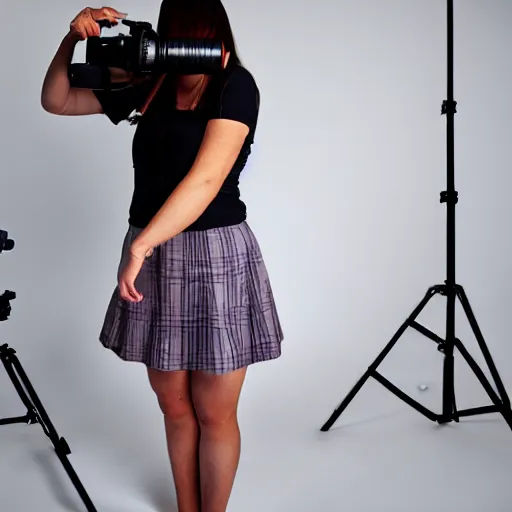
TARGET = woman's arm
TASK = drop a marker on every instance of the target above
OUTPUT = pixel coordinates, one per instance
(219, 150)
(57, 97)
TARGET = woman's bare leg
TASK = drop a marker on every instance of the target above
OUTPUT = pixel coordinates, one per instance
(215, 399)
(182, 430)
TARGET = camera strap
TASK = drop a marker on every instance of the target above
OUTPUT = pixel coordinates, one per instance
(135, 116)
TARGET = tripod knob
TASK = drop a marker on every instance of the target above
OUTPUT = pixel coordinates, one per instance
(6, 244)
(449, 197)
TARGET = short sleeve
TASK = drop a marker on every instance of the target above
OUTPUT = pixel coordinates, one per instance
(118, 104)
(239, 99)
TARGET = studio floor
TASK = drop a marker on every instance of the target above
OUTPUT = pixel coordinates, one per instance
(386, 462)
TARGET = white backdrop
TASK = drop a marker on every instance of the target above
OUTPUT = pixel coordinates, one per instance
(342, 192)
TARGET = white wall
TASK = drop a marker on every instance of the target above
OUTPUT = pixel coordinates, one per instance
(343, 194)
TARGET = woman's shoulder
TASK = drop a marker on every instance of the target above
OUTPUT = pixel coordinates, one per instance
(239, 85)
(239, 74)
(235, 96)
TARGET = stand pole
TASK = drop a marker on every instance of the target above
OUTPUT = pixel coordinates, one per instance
(450, 197)
(452, 291)
(37, 414)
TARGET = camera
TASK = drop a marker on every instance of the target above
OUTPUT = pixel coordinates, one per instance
(143, 52)
(6, 244)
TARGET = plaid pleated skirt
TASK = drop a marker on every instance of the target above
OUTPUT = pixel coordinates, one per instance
(208, 305)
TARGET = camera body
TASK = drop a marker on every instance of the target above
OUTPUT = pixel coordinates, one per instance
(143, 52)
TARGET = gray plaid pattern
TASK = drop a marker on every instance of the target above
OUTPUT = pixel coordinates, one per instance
(208, 305)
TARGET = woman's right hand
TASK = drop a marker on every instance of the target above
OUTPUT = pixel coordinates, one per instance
(85, 23)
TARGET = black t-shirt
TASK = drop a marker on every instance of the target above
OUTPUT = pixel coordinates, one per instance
(167, 140)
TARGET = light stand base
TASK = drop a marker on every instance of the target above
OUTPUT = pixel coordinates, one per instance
(501, 405)
(37, 414)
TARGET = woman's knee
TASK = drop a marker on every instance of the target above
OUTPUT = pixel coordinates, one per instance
(215, 398)
(215, 418)
(172, 390)
(175, 406)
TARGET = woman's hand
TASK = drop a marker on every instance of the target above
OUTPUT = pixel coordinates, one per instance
(85, 23)
(129, 274)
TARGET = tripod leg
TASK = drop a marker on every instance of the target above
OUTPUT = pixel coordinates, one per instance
(38, 414)
(373, 367)
(506, 412)
(455, 412)
(483, 346)
(30, 416)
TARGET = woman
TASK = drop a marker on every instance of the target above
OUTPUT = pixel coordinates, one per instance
(193, 301)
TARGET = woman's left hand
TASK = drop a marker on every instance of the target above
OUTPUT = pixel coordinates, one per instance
(129, 274)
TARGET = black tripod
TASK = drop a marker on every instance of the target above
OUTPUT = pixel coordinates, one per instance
(452, 291)
(35, 410)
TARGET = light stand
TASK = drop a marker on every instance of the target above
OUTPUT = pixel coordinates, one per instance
(452, 291)
(35, 409)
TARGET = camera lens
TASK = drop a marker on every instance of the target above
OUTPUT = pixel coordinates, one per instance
(186, 56)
